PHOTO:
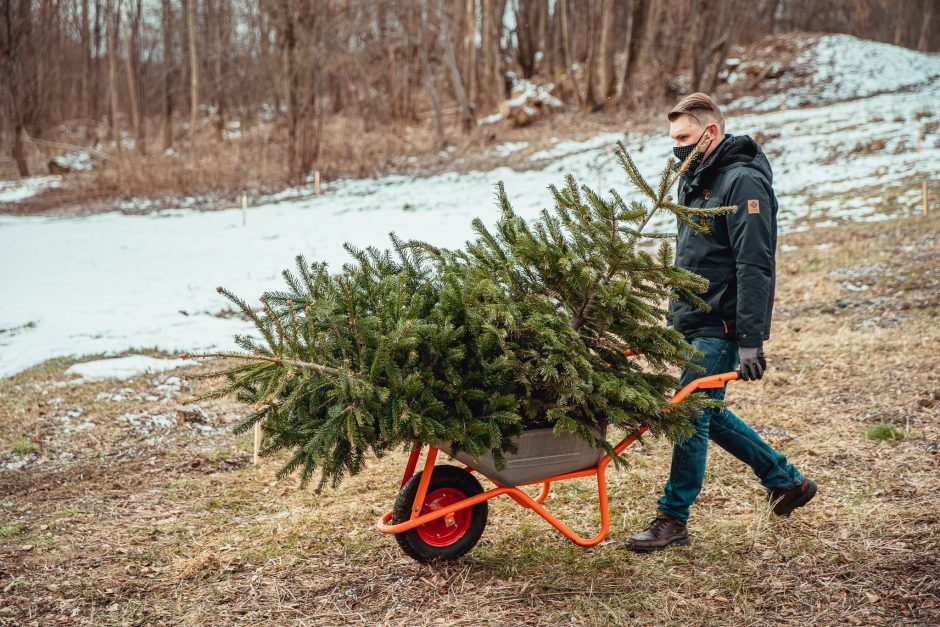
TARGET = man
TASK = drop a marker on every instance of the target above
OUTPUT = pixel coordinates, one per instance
(737, 256)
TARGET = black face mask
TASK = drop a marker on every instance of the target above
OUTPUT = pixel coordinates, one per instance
(681, 152)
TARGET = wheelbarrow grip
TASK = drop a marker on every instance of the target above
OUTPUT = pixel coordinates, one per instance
(710, 382)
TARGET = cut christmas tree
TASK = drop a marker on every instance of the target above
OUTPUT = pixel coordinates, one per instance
(528, 325)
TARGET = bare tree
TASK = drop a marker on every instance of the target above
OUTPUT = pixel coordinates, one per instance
(428, 74)
(15, 36)
(465, 113)
(217, 21)
(925, 25)
(92, 129)
(491, 91)
(637, 34)
(194, 79)
(607, 78)
(86, 61)
(168, 73)
(470, 49)
(527, 34)
(113, 22)
(132, 65)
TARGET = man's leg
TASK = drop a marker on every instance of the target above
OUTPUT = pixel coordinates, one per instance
(688, 458)
(771, 466)
(786, 485)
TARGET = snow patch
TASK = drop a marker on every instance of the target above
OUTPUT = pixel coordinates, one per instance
(79, 161)
(125, 367)
(507, 148)
(840, 67)
(15, 191)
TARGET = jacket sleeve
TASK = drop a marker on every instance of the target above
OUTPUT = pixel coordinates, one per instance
(750, 230)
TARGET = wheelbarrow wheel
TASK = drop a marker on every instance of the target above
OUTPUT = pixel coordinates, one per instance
(445, 538)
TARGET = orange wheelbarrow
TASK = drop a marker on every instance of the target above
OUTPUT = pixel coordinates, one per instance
(440, 513)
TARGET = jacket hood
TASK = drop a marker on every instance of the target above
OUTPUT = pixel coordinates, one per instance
(735, 150)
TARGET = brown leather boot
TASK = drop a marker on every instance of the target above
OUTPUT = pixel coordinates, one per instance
(662, 533)
(785, 500)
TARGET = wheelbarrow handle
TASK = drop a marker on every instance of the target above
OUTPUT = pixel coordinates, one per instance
(713, 381)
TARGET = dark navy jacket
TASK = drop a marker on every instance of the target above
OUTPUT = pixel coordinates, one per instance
(738, 256)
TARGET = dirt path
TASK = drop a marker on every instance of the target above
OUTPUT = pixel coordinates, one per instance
(118, 509)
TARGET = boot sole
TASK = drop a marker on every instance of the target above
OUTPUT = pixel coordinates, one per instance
(653, 549)
(803, 500)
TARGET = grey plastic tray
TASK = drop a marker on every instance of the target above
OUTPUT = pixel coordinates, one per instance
(541, 454)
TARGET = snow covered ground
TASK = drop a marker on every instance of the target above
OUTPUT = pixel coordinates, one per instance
(109, 283)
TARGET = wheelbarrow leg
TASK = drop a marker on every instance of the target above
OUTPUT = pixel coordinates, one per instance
(423, 484)
(412, 462)
(544, 493)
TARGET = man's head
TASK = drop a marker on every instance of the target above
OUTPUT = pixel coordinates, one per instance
(694, 115)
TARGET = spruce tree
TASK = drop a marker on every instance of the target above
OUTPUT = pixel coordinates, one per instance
(528, 324)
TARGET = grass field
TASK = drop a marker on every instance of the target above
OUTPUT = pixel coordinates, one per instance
(119, 504)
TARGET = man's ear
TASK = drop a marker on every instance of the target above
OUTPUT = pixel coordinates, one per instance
(707, 134)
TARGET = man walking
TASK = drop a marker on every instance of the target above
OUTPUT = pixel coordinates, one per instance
(737, 256)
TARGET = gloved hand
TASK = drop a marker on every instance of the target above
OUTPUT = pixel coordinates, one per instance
(753, 363)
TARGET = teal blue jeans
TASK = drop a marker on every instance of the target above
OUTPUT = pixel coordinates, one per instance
(726, 430)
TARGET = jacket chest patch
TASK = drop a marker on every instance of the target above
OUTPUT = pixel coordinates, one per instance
(753, 206)
(707, 194)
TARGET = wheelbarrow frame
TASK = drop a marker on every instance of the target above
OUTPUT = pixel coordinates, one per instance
(519, 496)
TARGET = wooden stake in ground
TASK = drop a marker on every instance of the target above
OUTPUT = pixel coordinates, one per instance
(316, 182)
(257, 448)
(926, 206)
(244, 209)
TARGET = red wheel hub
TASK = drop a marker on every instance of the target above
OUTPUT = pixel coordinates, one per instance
(446, 530)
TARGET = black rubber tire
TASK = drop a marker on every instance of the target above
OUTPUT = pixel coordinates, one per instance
(442, 477)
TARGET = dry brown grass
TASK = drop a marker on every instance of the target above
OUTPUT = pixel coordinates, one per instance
(110, 526)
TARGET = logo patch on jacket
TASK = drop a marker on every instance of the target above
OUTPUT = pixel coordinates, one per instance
(707, 194)
(753, 206)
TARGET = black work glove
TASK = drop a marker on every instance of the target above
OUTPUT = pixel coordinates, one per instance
(753, 363)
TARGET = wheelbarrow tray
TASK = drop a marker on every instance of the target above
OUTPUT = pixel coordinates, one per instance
(541, 454)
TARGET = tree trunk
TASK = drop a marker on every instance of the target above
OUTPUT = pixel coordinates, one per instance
(168, 74)
(590, 101)
(491, 91)
(527, 35)
(86, 63)
(11, 73)
(470, 51)
(194, 79)
(672, 52)
(544, 41)
(220, 44)
(565, 35)
(289, 68)
(428, 74)
(112, 20)
(922, 41)
(703, 19)
(466, 115)
(96, 72)
(636, 34)
(133, 76)
(607, 82)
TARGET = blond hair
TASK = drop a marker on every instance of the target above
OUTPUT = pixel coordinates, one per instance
(699, 106)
